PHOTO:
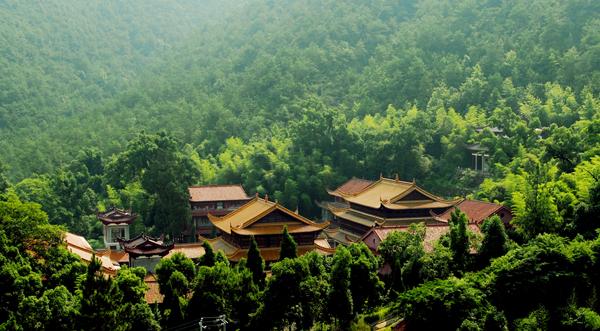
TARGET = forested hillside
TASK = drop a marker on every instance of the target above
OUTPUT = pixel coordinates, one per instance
(80, 73)
(127, 103)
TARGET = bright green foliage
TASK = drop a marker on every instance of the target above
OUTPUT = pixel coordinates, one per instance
(291, 98)
(221, 289)
(494, 241)
(522, 276)
(403, 251)
(293, 294)
(57, 308)
(288, 248)
(437, 264)
(459, 240)
(580, 319)
(340, 297)
(175, 276)
(535, 210)
(164, 172)
(365, 286)
(453, 302)
(256, 264)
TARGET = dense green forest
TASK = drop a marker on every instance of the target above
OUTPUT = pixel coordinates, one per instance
(114, 103)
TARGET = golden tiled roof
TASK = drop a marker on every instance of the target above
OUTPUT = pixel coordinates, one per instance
(390, 193)
(358, 217)
(269, 254)
(242, 221)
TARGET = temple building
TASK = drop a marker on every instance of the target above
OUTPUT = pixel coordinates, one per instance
(218, 200)
(145, 251)
(79, 246)
(360, 205)
(264, 220)
(433, 233)
(116, 225)
(477, 211)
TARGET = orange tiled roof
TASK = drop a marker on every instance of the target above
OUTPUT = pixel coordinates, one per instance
(76, 240)
(118, 256)
(217, 193)
(192, 250)
(241, 221)
(79, 246)
(153, 294)
(433, 233)
(476, 211)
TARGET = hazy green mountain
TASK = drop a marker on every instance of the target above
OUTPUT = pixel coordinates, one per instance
(91, 73)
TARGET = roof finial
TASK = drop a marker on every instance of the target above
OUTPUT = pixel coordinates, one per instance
(414, 180)
(381, 175)
(296, 211)
(266, 197)
(256, 195)
(397, 178)
(276, 200)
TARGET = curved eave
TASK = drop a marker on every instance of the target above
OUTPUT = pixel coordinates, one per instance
(417, 205)
(276, 230)
(219, 223)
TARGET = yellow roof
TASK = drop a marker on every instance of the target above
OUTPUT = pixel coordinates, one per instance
(358, 217)
(269, 254)
(242, 221)
(390, 193)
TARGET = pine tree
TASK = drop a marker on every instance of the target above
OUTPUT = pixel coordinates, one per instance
(459, 239)
(494, 240)
(288, 246)
(256, 264)
(340, 297)
(97, 301)
(208, 259)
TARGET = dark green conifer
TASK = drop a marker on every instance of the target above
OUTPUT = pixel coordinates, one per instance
(288, 246)
(494, 240)
(208, 259)
(256, 264)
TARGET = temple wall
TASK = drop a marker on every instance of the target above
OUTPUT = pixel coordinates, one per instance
(148, 263)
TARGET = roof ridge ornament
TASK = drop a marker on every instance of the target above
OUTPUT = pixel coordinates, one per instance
(381, 175)
(267, 197)
(397, 178)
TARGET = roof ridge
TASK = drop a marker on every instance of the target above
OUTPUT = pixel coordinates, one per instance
(216, 185)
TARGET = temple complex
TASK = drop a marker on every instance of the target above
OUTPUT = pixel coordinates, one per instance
(360, 205)
(218, 200)
(264, 220)
(145, 251)
(116, 225)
